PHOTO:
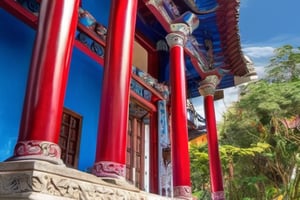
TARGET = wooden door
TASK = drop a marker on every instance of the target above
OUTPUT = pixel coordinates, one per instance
(135, 152)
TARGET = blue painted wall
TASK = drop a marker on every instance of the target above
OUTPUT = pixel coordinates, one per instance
(16, 41)
(99, 9)
(82, 96)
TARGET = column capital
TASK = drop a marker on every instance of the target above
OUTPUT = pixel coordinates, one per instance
(174, 39)
(180, 27)
(208, 85)
(178, 34)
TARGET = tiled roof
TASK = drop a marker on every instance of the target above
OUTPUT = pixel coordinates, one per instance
(227, 21)
(218, 29)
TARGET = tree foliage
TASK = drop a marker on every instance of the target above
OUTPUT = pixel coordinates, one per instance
(200, 171)
(257, 118)
(284, 65)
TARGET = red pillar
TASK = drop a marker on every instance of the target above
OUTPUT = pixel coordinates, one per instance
(153, 153)
(113, 121)
(46, 86)
(180, 153)
(207, 90)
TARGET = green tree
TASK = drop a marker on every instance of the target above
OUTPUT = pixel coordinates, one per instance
(284, 65)
(239, 186)
(258, 118)
(200, 171)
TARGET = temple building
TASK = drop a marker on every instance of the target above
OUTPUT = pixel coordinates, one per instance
(95, 95)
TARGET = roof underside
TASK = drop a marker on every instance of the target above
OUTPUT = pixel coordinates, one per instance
(212, 48)
(218, 24)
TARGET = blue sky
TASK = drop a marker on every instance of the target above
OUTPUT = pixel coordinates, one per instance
(268, 24)
(264, 25)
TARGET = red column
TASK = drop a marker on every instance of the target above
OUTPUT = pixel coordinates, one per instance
(207, 90)
(153, 153)
(46, 86)
(112, 131)
(180, 153)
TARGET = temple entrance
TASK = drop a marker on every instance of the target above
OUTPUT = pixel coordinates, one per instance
(137, 163)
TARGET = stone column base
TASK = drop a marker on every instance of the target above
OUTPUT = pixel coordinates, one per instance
(36, 180)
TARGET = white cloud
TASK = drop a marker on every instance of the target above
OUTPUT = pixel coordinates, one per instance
(260, 72)
(259, 52)
(260, 55)
(244, 3)
(272, 43)
(231, 95)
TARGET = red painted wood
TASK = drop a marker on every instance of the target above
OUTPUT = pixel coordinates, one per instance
(91, 34)
(88, 52)
(156, 96)
(180, 154)
(230, 37)
(145, 42)
(153, 64)
(49, 68)
(216, 179)
(146, 104)
(111, 143)
(18, 11)
(153, 153)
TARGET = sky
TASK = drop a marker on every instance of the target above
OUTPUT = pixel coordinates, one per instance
(263, 26)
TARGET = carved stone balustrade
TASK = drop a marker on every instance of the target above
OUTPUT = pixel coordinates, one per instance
(38, 180)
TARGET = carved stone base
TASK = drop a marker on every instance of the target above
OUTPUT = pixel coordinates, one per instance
(36, 180)
(183, 192)
(109, 169)
(218, 195)
(37, 150)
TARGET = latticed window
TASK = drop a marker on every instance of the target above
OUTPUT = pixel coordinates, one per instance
(69, 140)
